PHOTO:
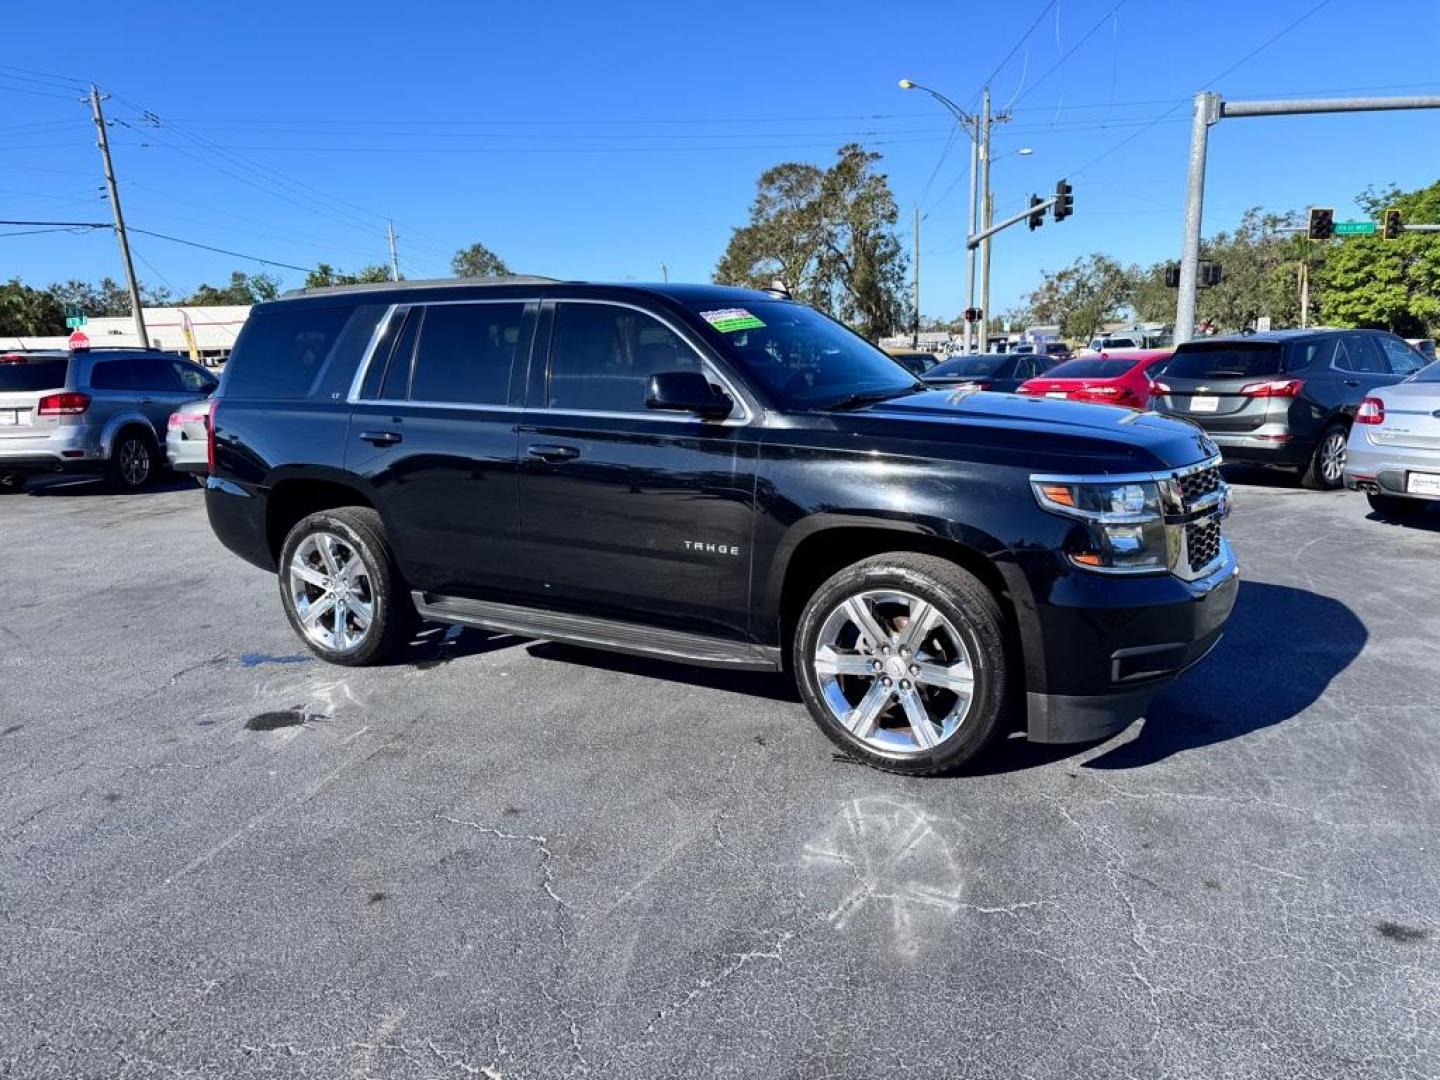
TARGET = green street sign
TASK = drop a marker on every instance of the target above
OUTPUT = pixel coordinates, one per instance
(1354, 228)
(74, 322)
(72, 311)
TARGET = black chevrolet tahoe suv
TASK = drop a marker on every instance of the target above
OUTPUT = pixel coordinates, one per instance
(725, 477)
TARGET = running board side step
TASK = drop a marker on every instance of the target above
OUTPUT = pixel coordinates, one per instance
(597, 633)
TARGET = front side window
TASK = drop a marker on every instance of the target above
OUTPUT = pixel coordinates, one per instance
(603, 355)
(1403, 359)
(805, 359)
(464, 353)
(192, 378)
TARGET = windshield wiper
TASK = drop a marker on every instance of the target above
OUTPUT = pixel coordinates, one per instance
(871, 397)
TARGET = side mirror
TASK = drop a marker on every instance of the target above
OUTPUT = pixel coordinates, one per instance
(687, 392)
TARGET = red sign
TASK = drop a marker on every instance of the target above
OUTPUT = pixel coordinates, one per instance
(78, 341)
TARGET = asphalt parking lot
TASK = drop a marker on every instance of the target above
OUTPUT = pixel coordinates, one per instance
(505, 859)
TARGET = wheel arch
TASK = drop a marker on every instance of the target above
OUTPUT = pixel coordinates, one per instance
(124, 421)
(292, 495)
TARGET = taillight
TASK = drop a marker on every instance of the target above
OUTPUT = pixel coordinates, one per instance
(1371, 411)
(1160, 387)
(1106, 395)
(210, 440)
(12, 358)
(1274, 388)
(178, 420)
(62, 404)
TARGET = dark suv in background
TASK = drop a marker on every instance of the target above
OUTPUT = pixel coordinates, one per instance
(1284, 398)
(722, 477)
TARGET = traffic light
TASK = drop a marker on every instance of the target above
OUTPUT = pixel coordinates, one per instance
(1391, 227)
(1064, 201)
(1322, 222)
(972, 314)
(1037, 217)
(1172, 275)
(1211, 274)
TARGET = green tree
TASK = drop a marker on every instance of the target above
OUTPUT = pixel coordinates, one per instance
(478, 261)
(1083, 296)
(27, 312)
(324, 275)
(1391, 284)
(829, 235)
(109, 297)
(243, 289)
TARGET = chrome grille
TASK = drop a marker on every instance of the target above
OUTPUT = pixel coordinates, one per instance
(1202, 543)
(1197, 485)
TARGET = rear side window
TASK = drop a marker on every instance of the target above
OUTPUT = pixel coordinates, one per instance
(1360, 354)
(157, 375)
(34, 373)
(282, 354)
(1227, 360)
(465, 352)
(112, 375)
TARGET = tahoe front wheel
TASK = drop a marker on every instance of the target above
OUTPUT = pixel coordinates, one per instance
(901, 659)
(340, 588)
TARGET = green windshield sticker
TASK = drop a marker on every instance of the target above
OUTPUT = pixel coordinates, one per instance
(729, 320)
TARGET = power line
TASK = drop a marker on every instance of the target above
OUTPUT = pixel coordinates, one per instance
(158, 236)
(1072, 50)
(990, 79)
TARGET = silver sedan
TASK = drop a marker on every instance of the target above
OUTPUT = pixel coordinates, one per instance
(1394, 451)
(187, 436)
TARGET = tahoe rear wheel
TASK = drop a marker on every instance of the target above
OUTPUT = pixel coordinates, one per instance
(901, 660)
(11, 482)
(340, 588)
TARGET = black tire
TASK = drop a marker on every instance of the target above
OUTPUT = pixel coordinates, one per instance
(976, 616)
(124, 473)
(1395, 507)
(12, 483)
(1321, 474)
(393, 620)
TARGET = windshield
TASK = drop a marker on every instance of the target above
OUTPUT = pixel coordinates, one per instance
(1090, 368)
(33, 372)
(1217, 361)
(966, 367)
(806, 359)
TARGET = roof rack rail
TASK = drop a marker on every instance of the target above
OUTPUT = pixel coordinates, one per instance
(428, 283)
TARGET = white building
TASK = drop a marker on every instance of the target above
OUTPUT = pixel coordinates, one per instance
(214, 330)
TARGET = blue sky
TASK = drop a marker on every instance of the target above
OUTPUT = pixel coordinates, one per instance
(600, 140)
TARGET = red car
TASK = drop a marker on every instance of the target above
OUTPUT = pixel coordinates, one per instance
(1118, 377)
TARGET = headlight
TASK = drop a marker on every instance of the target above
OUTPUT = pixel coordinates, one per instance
(1124, 522)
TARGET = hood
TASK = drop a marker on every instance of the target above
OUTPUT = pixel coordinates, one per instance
(1042, 433)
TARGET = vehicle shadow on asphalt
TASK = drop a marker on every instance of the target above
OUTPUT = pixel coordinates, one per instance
(87, 486)
(764, 684)
(1281, 650)
(1429, 521)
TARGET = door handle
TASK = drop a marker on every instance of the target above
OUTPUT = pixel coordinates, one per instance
(381, 438)
(147, 401)
(1352, 382)
(550, 452)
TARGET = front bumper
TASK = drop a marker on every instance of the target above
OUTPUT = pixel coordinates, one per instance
(1110, 645)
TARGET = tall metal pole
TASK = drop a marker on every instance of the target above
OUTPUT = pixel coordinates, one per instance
(1207, 111)
(985, 211)
(970, 291)
(394, 258)
(1304, 294)
(915, 334)
(135, 310)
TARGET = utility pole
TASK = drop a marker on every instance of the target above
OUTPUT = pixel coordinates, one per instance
(119, 217)
(915, 335)
(394, 258)
(664, 272)
(1210, 109)
(970, 292)
(984, 326)
(1304, 294)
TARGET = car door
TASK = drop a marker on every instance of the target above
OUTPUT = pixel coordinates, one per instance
(626, 513)
(159, 390)
(1403, 360)
(433, 432)
(198, 382)
(1362, 366)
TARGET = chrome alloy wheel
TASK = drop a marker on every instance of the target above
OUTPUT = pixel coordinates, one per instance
(134, 462)
(894, 671)
(332, 593)
(1332, 457)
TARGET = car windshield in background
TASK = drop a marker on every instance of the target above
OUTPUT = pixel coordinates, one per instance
(33, 373)
(1430, 373)
(966, 367)
(804, 358)
(1221, 361)
(1090, 368)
